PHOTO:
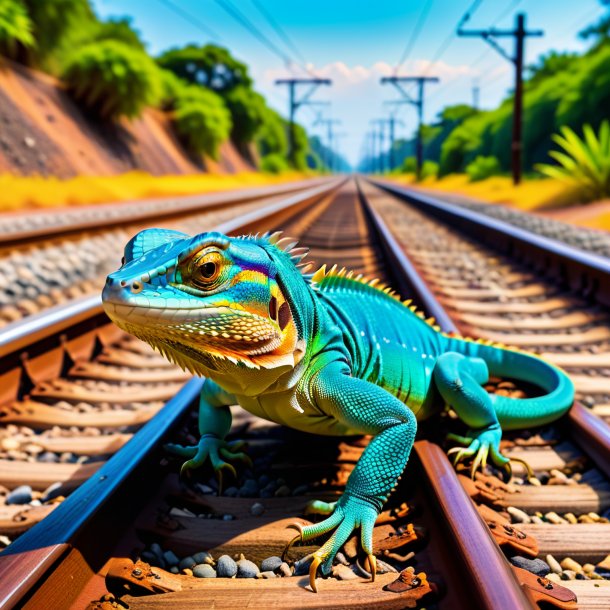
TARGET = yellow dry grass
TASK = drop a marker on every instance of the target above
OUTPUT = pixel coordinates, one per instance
(529, 195)
(23, 192)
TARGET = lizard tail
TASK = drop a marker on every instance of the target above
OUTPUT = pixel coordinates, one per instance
(514, 413)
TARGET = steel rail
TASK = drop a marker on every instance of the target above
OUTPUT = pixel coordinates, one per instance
(493, 582)
(20, 335)
(58, 540)
(585, 272)
(65, 221)
(590, 431)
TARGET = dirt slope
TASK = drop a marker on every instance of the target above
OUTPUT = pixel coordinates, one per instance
(43, 132)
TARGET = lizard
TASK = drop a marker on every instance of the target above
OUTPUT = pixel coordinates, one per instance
(329, 352)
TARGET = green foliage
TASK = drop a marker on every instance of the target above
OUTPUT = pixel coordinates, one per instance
(429, 169)
(584, 161)
(247, 113)
(53, 22)
(172, 87)
(273, 164)
(210, 65)
(118, 29)
(202, 120)
(409, 165)
(112, 80)
(549, 65)
(271, 136)
(482, 168)
(15, 28)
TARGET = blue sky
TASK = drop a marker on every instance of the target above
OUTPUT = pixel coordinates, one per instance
(356, 42)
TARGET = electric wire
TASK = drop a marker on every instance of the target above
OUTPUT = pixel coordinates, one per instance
(414, 35)
(190, 18)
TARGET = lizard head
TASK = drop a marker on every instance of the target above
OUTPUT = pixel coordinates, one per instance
(208, 302)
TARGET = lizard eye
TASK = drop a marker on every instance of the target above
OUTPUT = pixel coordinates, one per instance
(206, 269)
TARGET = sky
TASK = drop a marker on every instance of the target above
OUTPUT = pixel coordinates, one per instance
(356, 42)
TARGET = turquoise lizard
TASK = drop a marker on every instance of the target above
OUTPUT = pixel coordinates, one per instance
(329, 353)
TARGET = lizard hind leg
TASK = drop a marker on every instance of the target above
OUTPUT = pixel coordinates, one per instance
(458, 379)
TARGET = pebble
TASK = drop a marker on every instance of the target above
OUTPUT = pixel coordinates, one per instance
(257, 509)
(588, 567)
(282, 492)
(10, 444)
(203, 557)
(535, 566)
(271, 564)
(246, 569)
(52, 491)
(285, 569)
(342, 559)
(553, 564)
(206, 490)
(343, 572)
(204, 570)
(300, 490)
(266, 574)
(228, 517)
(149, 557)
(553, 577)
(534, 481)
(20, 495)
(301, 567)
(174, 570)
(226, 567)
(231, 492)
(249, 489)
(48, 457)
(170, 558)
(553, 517)
(569, 564)
(568, 575)
(604, 564)
(518, 515)
(186, 563)
(570, 517)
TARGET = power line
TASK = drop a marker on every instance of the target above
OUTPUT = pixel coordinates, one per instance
(190, 18)
(414, 35)
(238, 16)
(277, 28)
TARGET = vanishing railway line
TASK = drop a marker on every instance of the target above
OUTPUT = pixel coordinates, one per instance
(136, 502)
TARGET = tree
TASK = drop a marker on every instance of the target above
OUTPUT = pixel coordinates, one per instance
(247, 113)
(210, 65)
(15, 29)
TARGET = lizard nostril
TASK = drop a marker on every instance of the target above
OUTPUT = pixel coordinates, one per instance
(123, 283)
(136, 287)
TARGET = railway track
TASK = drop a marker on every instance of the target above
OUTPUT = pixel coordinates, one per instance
(50, 257)
(143, 511)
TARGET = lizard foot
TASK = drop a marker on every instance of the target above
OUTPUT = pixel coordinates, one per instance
(216, 449)
(350, 513)
(318, 507)
(481, 445)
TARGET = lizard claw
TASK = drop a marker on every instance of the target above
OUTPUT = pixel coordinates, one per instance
(372, 561)
(318, 558)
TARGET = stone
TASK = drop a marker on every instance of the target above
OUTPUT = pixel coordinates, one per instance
(569, 564)
(301, 567)
(186, 563)
(553, 564)
(203, 557)
(285, 570)
(604, 564)
(247, 569)
(52, 491)
(170, 558)
(271, 564)
(257, 509)
(282, 492)
(343, 572)
(226, 567)
(267, 574)
(535, 566)
(20, 495)
(204, 570)
(518, 515)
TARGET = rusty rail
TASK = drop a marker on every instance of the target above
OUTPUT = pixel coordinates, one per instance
(65, 221)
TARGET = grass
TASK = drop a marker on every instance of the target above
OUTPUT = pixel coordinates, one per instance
(529, 195)
(28, 192)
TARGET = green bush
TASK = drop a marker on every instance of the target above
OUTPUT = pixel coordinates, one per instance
(247, 110)
(482, 168)
(15, 28)
(273, 164)
(172, 87)
(584, 161)
(409, 165)
(202, 120)
(271, 135)
(112, 80)
(429, 169)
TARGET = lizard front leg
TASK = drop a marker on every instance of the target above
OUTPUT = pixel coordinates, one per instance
(367, 409)
(214, 425)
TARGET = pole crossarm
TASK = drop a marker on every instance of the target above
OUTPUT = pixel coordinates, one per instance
(294, 103)
(518, 34)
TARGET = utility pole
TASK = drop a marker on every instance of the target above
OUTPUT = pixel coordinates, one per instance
(294, 103)
(329, 137)
(380, 123)
(475, 93)
(392, 121)
(520, 33)
(418, 102)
